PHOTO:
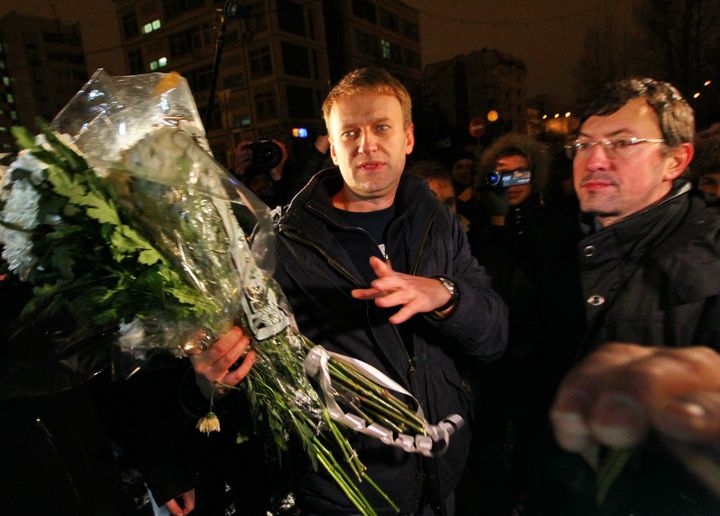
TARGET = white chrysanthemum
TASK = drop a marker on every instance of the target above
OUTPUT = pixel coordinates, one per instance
(132, 334)
(25, 161)
(21, 208)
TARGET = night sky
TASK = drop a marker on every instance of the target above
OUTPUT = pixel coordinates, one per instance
(547, 35)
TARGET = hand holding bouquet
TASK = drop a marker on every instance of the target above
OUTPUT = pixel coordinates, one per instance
(129, 228)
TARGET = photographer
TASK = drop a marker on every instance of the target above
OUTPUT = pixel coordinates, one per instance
(260, 165)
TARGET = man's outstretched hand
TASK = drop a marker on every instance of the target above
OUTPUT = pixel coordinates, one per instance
(414, 294)
(620, 392)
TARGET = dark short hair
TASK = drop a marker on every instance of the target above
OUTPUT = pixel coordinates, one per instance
(707, 154)
(677, 121)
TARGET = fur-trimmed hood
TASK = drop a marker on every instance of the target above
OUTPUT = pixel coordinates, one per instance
(535, 152)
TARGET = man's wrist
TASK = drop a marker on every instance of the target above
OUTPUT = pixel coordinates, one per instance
(451, 287)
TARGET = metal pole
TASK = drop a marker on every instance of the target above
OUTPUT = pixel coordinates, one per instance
(219, 42)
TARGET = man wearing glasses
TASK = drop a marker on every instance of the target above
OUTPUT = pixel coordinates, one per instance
(650, 275)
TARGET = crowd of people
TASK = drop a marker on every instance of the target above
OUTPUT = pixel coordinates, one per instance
(558, 296)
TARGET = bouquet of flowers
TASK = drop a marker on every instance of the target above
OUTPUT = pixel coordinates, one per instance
(122, 222)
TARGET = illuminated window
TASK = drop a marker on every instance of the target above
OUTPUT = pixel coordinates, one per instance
(158, 63)
(385, 49)
(10, 98)
(151, 26)
(6, 80)
(13, 115)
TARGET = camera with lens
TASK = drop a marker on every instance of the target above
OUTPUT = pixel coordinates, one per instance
(266, 154)
(499, 179)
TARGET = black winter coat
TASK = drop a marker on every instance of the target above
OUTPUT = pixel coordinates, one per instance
(652, 279)
(317, 275)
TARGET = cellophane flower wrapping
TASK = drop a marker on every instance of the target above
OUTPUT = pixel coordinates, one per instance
(160, 260)
(136, 241)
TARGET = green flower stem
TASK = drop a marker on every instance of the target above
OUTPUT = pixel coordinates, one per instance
(341, 372)
(371, 416)
(378, 398)
(381, 393)
(350, 456)
(348, 453)
(382, 493)
(609, 471)
(362, 391)
(342, 478)
(370, 405)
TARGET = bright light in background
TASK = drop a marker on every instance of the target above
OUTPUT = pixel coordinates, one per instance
(544, 117)
(567, 115)
(557, 115)
(299, 132)
(707, 83)
(696, 94)
(492, 116)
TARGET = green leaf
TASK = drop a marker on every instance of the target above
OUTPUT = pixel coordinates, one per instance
(149, 257)
(23, 137)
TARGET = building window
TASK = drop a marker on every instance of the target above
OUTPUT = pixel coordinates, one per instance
(175, 8)
(295, 60)
(10, 98)
(136, 62)
(301, 103)
(151, 26)
(190, 41)
(13, 115)
(130, 25)
(410, 30)
(364, 9)
(260, 62)
(199, 78)
(265, 105)
(158, 63)
(258, 17)
(241, 121)
(291, 17)
(389, 20)
(6, 80)
(367, 44)
(234, 81)
(385, 52)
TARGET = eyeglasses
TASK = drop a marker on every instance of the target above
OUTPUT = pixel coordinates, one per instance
(618, 148)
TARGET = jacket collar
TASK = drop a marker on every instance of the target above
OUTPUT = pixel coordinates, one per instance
(634, 234)
(312, 206)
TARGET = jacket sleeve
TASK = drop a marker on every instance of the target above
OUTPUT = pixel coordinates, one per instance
(479, 324)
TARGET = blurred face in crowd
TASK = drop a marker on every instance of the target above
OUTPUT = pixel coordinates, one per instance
(444, 191)
(622, 183)
(462, 171)
(516, 193)
(369, 143)
(710, 183)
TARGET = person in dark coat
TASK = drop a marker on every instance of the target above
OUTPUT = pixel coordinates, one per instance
(650, 274)
(376, 268)
(527, 247)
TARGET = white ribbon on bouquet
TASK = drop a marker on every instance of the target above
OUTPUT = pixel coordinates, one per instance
(316, 366)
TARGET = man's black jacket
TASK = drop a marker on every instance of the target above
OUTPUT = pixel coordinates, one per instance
(317, 275)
